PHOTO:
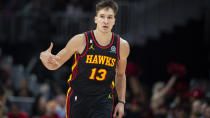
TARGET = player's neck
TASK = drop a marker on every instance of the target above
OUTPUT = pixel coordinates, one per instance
(103, 35)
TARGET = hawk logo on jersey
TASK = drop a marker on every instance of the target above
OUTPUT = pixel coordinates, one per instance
(100, 59)
(113, 49)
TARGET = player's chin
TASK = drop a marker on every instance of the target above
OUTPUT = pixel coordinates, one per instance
(105, 30)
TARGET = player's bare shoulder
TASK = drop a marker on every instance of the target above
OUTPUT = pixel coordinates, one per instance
(124, 48)
(77, 43)
(78, 39)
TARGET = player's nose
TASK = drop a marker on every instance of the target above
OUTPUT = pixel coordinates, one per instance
(106, 21)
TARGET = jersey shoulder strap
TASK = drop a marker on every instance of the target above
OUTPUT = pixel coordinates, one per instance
(117, 43)
(87, 38)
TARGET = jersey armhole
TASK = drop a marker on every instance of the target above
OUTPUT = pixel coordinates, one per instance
(118, 47)
(86, 47)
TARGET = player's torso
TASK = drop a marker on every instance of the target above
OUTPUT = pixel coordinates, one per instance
(93, 71)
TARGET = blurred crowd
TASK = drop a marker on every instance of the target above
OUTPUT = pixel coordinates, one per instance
(19, 19)
(174, 98)
(22, 96)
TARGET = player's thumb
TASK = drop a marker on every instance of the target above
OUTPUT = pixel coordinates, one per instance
(51, 46)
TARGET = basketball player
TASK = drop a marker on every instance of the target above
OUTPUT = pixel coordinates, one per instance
(100, 57)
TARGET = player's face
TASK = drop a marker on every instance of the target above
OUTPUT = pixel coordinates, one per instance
(105, 20)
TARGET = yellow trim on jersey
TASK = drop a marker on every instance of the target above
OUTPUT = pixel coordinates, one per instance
(69, 78)
(73, 67)
(113, 84)
(67, 100)
(75, 63)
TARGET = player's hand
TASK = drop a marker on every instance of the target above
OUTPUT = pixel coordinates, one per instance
(119, 111)
(48, 58)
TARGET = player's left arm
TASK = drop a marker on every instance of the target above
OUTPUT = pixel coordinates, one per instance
(120, 78)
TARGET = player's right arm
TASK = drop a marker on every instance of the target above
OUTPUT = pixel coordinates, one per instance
(53, 62)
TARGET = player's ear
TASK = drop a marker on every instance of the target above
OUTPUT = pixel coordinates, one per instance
(95, 19)
(114, 21)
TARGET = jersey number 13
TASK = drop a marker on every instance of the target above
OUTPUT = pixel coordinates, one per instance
(102, 74)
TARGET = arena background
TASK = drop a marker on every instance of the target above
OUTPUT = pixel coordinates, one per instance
(162, 34)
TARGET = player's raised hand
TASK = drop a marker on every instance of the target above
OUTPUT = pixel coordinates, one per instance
(48, 58)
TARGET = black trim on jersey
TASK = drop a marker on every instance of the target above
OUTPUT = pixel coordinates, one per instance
(100, 46)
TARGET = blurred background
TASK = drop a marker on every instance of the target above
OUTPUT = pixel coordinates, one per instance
(168, 72)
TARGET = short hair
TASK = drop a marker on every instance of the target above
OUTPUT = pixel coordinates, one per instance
(107, 4)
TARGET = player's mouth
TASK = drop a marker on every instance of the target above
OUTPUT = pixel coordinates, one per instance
(105, 27)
